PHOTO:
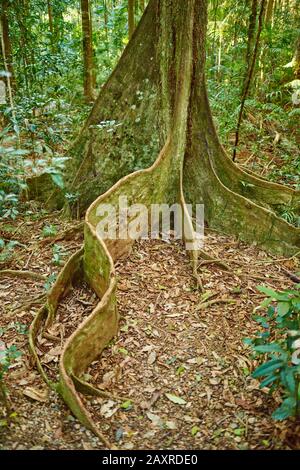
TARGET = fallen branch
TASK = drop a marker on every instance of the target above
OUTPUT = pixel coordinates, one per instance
(292, 276)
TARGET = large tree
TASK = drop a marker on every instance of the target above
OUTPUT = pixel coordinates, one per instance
(161, 117)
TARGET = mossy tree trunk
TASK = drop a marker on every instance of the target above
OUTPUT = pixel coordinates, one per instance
(130, 124)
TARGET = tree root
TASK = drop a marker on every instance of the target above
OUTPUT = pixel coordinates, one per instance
(209, 303)
(22, 274)
(32, 303)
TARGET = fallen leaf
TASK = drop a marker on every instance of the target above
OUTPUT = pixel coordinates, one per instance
(37, 395)
(171, 425)
(175, 399)
(55, 351)
(108, 409)
(151, 358)
(156, 420)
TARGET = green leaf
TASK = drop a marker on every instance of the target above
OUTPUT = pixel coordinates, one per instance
(268, 380)
(269, 292)
(267, 367)
(287, 409)
(239, 431)
(268, 348)
(127, 405)
(288, 379)
(266, 302)
(195, 430)
(283, 308)
(175, 399)
(58, 180)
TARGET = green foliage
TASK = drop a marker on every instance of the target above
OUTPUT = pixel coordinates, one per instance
(277, 348)
(7, 249)
(270, 107)
(58, 253)
(49, 231)
(7, 356)
(49, 282)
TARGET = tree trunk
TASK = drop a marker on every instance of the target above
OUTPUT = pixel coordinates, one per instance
(296, 60)
(50, 19)
(162, 117)
(269, 13)
(7, 53)
(131, 23)
(251, 32)
(87, 47)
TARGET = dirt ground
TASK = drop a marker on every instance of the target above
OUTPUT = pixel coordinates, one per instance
(178, 373)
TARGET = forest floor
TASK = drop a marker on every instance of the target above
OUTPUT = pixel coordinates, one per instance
(179, 364)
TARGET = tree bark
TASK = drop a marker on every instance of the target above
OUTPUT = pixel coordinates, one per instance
(51, 27)
(269, 12)
(87, 48)
(251, 32)
(297, 60)
(131, 22)
(7, 53)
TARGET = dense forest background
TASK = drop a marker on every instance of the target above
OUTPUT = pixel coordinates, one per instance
(59, 53)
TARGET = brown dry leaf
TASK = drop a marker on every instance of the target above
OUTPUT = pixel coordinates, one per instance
(155, 419)
(151, 358)
(87, 446)
(36, 394)
(55, 351)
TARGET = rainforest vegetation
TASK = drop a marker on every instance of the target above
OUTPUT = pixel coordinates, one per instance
(135, 342)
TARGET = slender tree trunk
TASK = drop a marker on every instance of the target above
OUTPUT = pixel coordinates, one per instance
(269, 13)
(87, 47)
(249, 76)
(297, 60)
(105, 19)
(51, 27)
(131, 23)
(251, 32)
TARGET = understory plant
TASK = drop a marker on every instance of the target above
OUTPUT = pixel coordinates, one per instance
(277, 348)
(7, 357)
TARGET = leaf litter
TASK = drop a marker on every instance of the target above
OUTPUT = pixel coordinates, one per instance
(181, 367)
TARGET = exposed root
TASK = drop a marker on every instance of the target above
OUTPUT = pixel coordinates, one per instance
(39, 300)
(208, 260)
(65, 235)
(204, 305)
(22, 274)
